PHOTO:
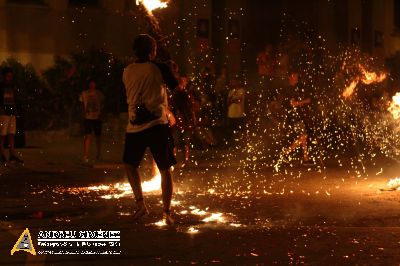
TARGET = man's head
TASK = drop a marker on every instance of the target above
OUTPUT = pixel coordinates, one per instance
(293, 78)
(92, 84)
(145, 47)
(8, 75)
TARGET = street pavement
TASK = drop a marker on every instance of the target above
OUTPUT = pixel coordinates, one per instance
(228, 211)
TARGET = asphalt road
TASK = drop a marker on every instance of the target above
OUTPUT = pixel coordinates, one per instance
(227, 211)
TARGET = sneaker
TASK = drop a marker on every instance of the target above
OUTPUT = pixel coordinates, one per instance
(167, 218)
(85, 160)
(99, 158)
(140, 212)
(15, 159)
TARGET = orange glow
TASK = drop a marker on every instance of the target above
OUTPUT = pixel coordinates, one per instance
(366, 78)
(371, 77)
(394, 107)
(151, 5)
(394, 183)
(349, 90)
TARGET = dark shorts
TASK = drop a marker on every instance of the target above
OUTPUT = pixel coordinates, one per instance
(158, 139)
(92, 125)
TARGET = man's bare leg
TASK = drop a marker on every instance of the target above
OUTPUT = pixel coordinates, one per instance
(11, 144)
(293, 146)
(135, 181)
(304, 147)
(98, 147)
(167, 189)
(3, 156)
(11, 148)
(86, 146)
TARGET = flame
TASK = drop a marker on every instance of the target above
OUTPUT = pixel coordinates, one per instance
(151, 5)
(215, 217)
(394, 107)
(349, 90)
(371, 77)
(152, 185)
(192, 230)
(366, 78)
(394, 183)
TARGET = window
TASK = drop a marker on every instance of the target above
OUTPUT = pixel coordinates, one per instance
(86, 3)
(29, 2)
(396, 14)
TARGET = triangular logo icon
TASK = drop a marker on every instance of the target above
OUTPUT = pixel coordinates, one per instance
(24, 243)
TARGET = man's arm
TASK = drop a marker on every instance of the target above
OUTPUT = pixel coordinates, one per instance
(168, 76)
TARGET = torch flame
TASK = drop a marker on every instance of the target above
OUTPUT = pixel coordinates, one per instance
(366, 78)
(151, 5)
(371, 77)
(394, 107)
(349, 90)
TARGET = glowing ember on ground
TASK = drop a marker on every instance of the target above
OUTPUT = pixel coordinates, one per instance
(215, 217)
(192, 230)
(394, 107)
(119, 190)
(394, 183)
(151, 5)
(160, 223)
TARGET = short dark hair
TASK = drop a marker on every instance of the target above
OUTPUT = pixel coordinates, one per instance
(90, 79)
(6, 70)
(143, 46)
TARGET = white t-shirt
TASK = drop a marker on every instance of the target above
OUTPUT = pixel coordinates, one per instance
(93, 103)
(236, 108)
(144, 84)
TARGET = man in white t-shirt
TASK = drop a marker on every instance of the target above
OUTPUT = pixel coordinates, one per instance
(92, 106)
(145, 83)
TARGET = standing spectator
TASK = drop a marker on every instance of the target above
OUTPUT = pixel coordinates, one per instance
(221, 92)
(236, 107)
(299, 117)
(148, 122)
(8, 111)
(265, 62)
(92, 106)
(185, 116)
